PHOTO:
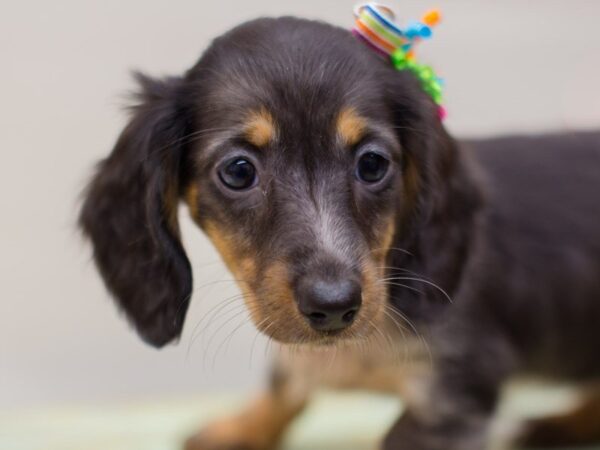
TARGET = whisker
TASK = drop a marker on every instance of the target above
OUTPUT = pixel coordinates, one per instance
(400, 269)
(212, 313)
(419, 335)
(386, 338)
(212, 283)
(399, 249)
(258, 333)
(401, 329)
(225, 342)
(421, 280)
(389, 283)
(212, 337)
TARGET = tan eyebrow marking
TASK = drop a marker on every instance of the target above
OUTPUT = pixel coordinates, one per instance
(350, 126)
(259, 127)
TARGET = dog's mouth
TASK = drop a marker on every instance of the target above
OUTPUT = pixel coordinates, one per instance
(297, 332)
(334, 338)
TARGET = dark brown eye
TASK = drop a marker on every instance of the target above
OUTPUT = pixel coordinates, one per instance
(371, 167)
(238, 174)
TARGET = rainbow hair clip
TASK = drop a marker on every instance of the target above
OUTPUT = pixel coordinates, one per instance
(375, 26)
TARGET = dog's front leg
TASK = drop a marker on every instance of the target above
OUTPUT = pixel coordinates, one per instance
(262, 423)
(455, 408)
(450, 431)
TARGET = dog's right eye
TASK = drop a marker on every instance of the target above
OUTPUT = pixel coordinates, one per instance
(238, 174)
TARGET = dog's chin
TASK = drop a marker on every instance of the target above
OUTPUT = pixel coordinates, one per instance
(329, 338)
(315, 339)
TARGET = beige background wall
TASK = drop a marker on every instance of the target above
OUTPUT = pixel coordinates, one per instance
(509, 65)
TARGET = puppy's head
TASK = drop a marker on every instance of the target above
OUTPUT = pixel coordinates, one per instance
(300, 154)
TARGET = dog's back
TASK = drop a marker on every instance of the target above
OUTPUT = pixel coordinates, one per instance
(543, 226)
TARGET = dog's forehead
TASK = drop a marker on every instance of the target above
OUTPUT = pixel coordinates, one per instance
(299, 74)
(293, 103)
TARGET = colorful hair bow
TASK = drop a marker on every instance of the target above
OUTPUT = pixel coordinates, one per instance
(375, 26)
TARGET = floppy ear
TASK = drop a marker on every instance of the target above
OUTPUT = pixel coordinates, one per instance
(437, 179)
(130, 215)
(440, 197)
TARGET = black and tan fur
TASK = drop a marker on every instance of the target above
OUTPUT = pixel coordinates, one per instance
(491, 249)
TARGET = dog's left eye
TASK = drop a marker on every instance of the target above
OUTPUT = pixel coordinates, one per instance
(371, 167)
(238, 174)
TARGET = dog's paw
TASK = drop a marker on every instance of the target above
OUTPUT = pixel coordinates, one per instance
(200, 442)
(229, 434)
(197, 442)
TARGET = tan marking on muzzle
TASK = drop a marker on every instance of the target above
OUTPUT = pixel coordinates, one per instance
(242, 266)
(385, 241)
(228, 245)
(280, 294)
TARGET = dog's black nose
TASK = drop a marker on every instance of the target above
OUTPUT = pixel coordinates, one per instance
(329, 305)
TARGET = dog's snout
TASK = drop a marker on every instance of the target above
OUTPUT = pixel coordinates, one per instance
(329, 305)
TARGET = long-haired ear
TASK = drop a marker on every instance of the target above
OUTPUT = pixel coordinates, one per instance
(130, 215)
(434, 171)
(440, 198)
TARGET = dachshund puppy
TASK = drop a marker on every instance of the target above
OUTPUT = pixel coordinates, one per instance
(353, 220)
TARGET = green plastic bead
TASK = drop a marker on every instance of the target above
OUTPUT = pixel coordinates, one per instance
(423, 72)
(412, 65)
(435, 87)
(400, 65)
(437, 98)
(426, 73)
(399, 57)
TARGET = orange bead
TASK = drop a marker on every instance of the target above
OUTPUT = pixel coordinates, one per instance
(432, 17)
